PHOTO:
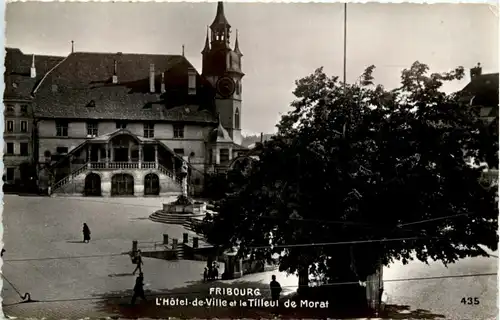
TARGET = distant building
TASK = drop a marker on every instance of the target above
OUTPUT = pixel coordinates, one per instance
(22, 73)
(482, 93)
(123, 124)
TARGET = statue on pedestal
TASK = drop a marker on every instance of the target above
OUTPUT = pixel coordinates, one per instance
(184, 199)
(184, 174)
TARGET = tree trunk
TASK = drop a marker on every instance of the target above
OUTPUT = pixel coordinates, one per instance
(303, 279)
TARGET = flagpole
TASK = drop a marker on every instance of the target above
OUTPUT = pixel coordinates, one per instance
(345, 43)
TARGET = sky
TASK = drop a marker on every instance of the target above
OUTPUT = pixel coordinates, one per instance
(280, 42)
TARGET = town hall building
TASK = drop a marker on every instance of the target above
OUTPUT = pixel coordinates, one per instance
(115, 124)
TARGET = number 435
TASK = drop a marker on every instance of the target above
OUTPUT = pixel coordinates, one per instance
(470, 300)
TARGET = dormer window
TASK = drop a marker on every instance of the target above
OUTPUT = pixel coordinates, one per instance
(14, 85)
(54, 88)
(91, 104)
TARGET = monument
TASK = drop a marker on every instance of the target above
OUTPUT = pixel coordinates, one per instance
(182, 209)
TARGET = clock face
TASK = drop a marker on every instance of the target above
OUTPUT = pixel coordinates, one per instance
(225, 87)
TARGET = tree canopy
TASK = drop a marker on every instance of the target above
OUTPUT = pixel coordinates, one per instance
(360, 163)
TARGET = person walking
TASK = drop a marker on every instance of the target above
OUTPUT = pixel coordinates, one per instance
(138, 262)
(3, 251)
(139, 289)
(86, 233)
(275, 288)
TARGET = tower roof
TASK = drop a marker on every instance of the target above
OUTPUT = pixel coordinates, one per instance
(207, 44)
(220, 134)
(237, 45)
(220, 18)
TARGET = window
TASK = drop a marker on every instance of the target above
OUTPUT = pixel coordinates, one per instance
(92, 129)
(23, 146)
(10, 174)
(224, 155)
(61, 128)
(178, 131)
(9, 108)
(62, 150)
(237, 119)
(121, 124)
(24, 109)
(24, 126)
(10, 126)
(10, 148)
(149, 130)
(179, 152)
(237, 87)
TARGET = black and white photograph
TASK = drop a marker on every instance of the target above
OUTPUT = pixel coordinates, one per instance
(226, 160)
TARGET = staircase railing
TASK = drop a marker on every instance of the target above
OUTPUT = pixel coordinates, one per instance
(70, 176)
(169, 173)
(86, 166)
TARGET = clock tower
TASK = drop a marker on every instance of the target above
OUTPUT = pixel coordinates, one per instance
(222, 67)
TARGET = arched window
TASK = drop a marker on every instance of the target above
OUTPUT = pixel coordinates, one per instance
(237, 119)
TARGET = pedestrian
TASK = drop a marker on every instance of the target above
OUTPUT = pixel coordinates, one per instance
(139, 288)
(205, 274)
(86, 233)
(275, 288)
(138, 262)
(3, 251)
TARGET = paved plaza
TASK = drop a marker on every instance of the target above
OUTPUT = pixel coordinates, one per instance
(37, 229)
(99, 283)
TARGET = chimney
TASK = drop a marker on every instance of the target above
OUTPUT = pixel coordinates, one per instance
(115, 76)
(152, 88)
(33, 68)
(163, 82)
(261, 137)
(476, 71)
(191, 81)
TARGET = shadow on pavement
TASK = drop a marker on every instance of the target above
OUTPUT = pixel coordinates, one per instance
(404, 312)
(74, 241)
(115, 275)
(118, 304)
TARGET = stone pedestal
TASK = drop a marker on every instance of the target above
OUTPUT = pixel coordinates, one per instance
(233, 267)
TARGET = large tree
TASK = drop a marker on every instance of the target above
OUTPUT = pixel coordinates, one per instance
(358, 162)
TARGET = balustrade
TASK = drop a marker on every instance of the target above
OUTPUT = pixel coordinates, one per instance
(123, 165)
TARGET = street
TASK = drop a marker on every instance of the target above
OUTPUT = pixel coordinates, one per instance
(36, 228)
(441, 298)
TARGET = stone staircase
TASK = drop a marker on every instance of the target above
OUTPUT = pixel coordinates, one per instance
(180, 252)
(79, 175)
(185, 220)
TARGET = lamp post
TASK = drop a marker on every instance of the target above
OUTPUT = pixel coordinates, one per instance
(345, 43)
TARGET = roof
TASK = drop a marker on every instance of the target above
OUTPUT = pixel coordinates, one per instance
(82, 86)
(18, 82)
(220, 135)
(482, 90)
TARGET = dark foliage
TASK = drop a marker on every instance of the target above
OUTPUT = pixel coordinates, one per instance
(376, 160)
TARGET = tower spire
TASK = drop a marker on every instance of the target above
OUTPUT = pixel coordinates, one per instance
(220, 18)
(33, 68)
(206, 49)
(220, 28)
(237, 45)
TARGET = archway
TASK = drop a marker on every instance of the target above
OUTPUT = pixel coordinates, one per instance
(122, 184)
(92, 185)
(151, 185)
